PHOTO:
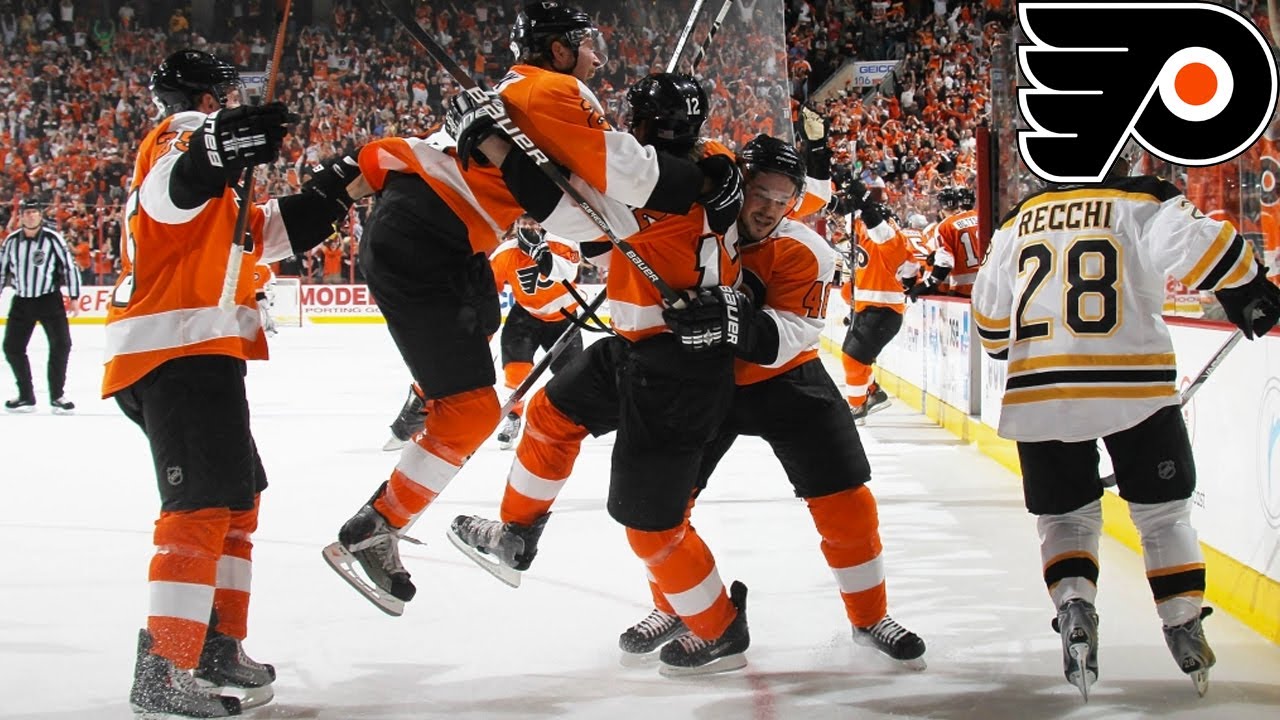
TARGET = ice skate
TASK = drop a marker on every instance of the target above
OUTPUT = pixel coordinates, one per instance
(893, 640)
(1077, 622)
(368, 539)
(408, 422)
(63, 406)
(1191, 650)
(640, 641)
(877, 400)
(161, 690)
(224, 666)
(509, 431)
(504, 550)
(20, 405)
(689, 654)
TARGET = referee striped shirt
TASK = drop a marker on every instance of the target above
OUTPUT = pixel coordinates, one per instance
(38, 265)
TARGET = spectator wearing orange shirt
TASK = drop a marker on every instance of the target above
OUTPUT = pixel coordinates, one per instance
(333, 255)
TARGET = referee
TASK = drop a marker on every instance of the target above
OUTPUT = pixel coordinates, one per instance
(35, 261)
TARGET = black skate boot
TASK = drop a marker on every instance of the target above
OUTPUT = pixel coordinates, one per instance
(505, 550)
(877, 400)
(1077, 622)
(63, 406)
(368, 539)
(408, 422)
(642, 640)
(162, 690)
(509, 431)
(21, 404)
(223, 664)
(893, 640)
(691, 655)
(1191, 650)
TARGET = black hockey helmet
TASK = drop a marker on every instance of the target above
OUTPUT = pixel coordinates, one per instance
(541, 23)
(957, 198)
(766, 153)
(185, 75)
(31, 203)
(675, 106)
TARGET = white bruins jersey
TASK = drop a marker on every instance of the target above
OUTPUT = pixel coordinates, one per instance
(1072, 293)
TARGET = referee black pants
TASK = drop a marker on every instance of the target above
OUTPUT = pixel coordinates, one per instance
(24, 313)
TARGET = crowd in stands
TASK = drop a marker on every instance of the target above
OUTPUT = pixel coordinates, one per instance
(74, 79)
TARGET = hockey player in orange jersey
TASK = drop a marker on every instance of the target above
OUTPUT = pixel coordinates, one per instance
(539, 311)
(439, 215)
(958, 249)
(263, 279)
(881, 259)
(176, 364)
(786, 396)
(664, 392)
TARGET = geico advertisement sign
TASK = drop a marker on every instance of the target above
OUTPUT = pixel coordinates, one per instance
(338, 300)
(867, 74)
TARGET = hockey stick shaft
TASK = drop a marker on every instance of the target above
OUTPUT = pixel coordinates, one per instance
(525, 144)
(1196, 384)
(244, 192)
(684, 35)
(556, 349)
(711, 34)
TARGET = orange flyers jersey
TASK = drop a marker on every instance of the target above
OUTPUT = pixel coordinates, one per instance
(817, 193)
(681, 249)
(881, 258)
(173, 261)
(544, 298)
(921, 247)
(478, 196)
(959, 246)
(262, 276)
(565, 120)
(796, 268)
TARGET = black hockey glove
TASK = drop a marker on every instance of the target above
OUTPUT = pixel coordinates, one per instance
(714, 317)
(815, 127)
(817, 159)
(927, 286)
(1253, 307)
(237, 138)
(723, 202)
(534, 244)
(470, 118)
(856, 196)
(329, 180)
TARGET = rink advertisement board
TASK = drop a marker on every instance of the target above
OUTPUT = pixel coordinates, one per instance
(947, 357)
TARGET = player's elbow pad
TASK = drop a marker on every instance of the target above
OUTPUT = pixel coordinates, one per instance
(939, 273)
(678, 187)
(308, 219)
(530, 186)
(761, 342)
(189, 188)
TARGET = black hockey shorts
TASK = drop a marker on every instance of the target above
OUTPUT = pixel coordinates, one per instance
(666, 405)
(523, 334)
(870, 331)
(1152, 461)
(437, 294)
(195, 415)
(806, 421)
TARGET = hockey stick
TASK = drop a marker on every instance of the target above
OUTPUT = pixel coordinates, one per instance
(711, 34)
(684, 35)
(1209, 367)
(244, 192)
(524, 143)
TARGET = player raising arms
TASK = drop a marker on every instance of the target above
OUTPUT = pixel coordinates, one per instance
(958, 249)
(175, 363)
(425, 255)
(664, 401)
(1071, 296)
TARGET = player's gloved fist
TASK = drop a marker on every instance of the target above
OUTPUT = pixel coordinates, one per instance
(534, 244)
(815, 128)
(927, 286)
(1253, 307)
(329, 180)
(856, 195)
(233, 139)
(713, 317)
(724, 200)
(470, 117)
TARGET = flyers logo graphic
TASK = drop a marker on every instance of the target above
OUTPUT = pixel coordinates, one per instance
(530, 280)
(1192, 82)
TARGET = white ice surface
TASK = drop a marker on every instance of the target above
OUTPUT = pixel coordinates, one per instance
(77, 501)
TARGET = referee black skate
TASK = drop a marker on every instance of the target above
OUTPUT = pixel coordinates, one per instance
(34, 259)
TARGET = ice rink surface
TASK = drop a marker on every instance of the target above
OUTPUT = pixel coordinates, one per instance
(960, 553)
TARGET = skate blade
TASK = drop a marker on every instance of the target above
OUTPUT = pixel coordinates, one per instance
(916, 664)
(394, 443)
(1200, 678)
(249, 698)
(638, 660)
(506, 444)
(1080, 676)
(22, 410)
(728, 663)
(877, 408)
(487, 562)
(344, 563)
(60, 411)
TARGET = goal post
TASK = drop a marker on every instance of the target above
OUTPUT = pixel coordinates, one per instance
(285, 294)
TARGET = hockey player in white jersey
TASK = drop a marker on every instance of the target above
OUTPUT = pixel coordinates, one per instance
(1071, 296)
